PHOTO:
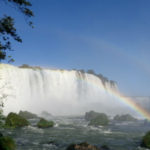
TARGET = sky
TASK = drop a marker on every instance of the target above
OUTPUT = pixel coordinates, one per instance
(109, 36)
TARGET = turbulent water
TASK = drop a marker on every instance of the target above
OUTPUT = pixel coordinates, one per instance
(117, 136)
(62, 92)
(59, 92)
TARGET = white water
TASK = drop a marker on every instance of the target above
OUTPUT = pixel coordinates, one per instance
(56, 91)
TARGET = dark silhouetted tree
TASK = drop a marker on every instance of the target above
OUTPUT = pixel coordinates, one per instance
(8, 30)
(90, 71)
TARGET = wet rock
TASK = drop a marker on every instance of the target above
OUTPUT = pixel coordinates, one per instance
(1, 134)
(105, 147)
(44, 123)
(96, 119)
(55, 143)
(13, 121)
(146, 140)
(51, 142)
(125, 117)
(82, 146)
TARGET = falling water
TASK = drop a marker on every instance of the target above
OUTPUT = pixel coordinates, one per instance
(59, 92)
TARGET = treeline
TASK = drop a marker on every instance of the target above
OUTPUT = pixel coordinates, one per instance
(100, 76)
(25, 66)
(89, 71)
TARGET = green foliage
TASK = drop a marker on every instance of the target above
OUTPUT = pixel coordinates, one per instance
(7, 143)
(96, 119)
(26, 66)
(27, 115)
(101, 120)
(126, 117)
(2, 119)
(101, 77)
(146, 140)
(44, 123)
(91, 115)
(8, 29)
(13, 121)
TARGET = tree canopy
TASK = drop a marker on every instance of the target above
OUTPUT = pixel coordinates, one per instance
(8, 30)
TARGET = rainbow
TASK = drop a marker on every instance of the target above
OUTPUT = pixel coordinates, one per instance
(119, 96)
(128, 101)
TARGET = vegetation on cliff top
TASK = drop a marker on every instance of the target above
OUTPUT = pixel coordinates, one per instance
(100, 76)
(79, 73)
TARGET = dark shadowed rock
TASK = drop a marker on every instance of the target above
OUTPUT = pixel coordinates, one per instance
(99, 121)
(146, 141)
(82, 146)
(126, 117)
(91, 115)
(105, 147)
(1, 134)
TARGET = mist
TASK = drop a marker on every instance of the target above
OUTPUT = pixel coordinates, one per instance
(59, 92)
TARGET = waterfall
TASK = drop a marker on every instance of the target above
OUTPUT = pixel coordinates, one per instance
(59, 92)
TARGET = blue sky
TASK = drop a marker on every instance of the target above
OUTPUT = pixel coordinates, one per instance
(109, 36)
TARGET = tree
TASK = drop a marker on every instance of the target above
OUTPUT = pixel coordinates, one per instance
(8, 30)
(90, 71)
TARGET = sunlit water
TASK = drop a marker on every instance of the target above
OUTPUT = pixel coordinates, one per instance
(117, 136)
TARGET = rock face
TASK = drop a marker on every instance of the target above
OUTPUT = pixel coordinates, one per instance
(27, 115)
(7, 143)
(13, 121)
(146, 140)
(99, 121)
(82, 146)
(126, 117)
(44, 123)
(104, 147)
(96, 119)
